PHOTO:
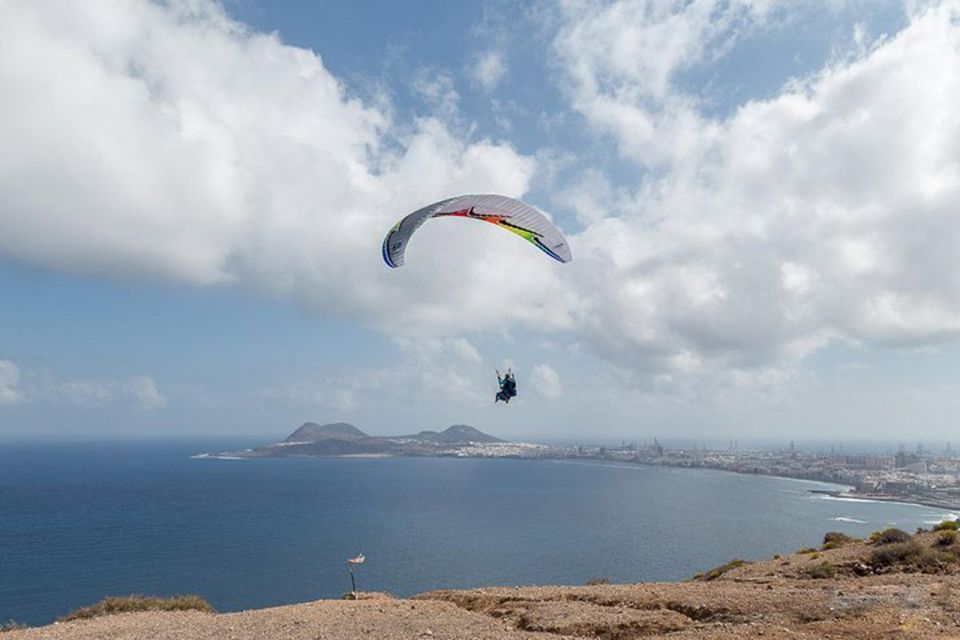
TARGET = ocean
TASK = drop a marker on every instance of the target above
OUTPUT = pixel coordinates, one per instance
(81, 521)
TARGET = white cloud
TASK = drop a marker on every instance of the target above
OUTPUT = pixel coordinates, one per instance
(165, 141)
(439, 91)
(825, 213)
(546, 381)
(148, 396)
(427, 371)
(621, 60)
(9, 379)
(489, 69)
(168, 142)
(141, 392)
(40, 386)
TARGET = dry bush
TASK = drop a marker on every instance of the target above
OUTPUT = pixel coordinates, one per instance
(716, 572)
(835, 540)
(891, 536)
(946, 538)
(124, 604)
(824, 570)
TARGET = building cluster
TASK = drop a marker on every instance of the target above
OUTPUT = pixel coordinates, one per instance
(918, 477)
(929, 478)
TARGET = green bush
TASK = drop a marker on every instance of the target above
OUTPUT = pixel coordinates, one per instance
(824, 570)
(892, 536)
(716, 572)
(934, 561)
(807, 550)
(946, 525)
(592, 582)
(946, 538)
(136, 602)
(836, 538)
(911, 556)
(895, 553)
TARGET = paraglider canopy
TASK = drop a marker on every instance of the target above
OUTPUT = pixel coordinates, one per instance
(507, 213)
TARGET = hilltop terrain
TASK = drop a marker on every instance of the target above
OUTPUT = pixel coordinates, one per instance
(342, 439)
(894, 586)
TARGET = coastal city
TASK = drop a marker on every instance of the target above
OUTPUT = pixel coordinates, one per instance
(917, 476)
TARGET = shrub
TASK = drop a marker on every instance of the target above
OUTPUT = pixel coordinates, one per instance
(895, 553)
(807, 550)
(824, 570)
(135, 602)
(835, 538)
(592, 582)
(892, 536)
(934, 561)
(12, 625)
(716, 572)
(946, 538)
(946, 525)
(776, 556)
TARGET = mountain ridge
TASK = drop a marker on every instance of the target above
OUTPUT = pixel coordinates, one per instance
(314, 440)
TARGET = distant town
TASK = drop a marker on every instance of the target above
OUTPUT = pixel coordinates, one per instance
(917, 476)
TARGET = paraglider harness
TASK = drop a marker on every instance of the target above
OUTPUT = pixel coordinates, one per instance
(508, 387)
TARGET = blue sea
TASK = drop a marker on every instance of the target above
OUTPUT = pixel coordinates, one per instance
(82, 521)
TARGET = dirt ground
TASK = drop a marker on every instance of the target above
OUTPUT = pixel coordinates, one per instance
(776, 598)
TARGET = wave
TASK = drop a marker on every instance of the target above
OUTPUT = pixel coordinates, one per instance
(847, 519)
(849, 499)
(940, 517)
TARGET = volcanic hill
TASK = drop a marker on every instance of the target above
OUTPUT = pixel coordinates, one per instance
(343, 439)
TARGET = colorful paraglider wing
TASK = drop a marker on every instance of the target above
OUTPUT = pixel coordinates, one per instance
(506, 213)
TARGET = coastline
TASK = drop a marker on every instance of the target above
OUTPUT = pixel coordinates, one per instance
(849, 492)
(871, 497)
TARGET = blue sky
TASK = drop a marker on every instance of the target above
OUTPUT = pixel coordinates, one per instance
(760, 196)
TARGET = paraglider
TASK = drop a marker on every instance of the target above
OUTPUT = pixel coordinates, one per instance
(506, 213)
(508, 387)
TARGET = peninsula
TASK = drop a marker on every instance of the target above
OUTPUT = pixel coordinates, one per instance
(312, 440)
(931, 479)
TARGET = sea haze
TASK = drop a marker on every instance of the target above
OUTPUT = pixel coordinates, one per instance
(82, 521)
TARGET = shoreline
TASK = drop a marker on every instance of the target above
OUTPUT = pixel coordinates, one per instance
(849, 493)
(871, 497)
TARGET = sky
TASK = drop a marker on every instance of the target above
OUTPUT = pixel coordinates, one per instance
(761, 197)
